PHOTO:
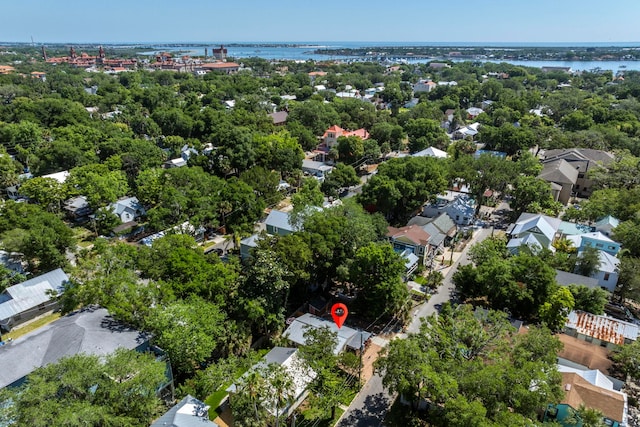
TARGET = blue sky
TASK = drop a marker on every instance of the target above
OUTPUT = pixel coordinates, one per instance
(327, 20)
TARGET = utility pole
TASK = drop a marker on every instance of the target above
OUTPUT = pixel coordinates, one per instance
(360, 367)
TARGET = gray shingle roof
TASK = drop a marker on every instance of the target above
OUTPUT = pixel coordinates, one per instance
(559, 171)
(90, 331)
(565, 278)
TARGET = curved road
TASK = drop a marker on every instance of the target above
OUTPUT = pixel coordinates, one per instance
(370, 406)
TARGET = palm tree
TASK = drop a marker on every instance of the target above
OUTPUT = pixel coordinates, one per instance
(591, 417)
(564, 245)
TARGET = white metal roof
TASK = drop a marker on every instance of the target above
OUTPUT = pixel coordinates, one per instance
(29, 294)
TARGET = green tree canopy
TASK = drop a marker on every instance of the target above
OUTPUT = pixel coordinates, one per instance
(117, 389)
(472, 366)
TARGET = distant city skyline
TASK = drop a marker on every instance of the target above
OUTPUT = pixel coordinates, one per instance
(163, 21)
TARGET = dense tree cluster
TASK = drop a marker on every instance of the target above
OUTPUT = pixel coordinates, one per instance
(472, 369)
(119, 389)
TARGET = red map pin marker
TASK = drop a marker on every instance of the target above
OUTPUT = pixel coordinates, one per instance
(339, 313)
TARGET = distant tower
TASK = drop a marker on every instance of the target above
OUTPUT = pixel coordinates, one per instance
(101, 52)
(206, 51)
(220, 54)
(44, 53)
(72, 52)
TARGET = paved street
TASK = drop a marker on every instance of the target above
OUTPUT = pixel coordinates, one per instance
(370, 406)
(443, 294)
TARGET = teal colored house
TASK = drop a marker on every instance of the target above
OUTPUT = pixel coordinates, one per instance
(279, 223)
(595, 240)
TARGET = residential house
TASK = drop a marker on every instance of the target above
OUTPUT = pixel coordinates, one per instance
(279, 223)
(584, 355)
(473, 112)
(175, 163)
(128, 209)
(562, 176)
(583, 160)
(6, 69)
(424, 86)
(246, 246)
(331, 135)
(567, 228)
(411, 262)
(279, 117)
(466, 131)
(600, 330)
(607, 273)
(12, 261)
(189, 412)
(77, 208)
(606, 225)
(318, 306)
(412, 238)
(439, 65)
(348, 338)
(301, 375)
(486, 104)
(533, 230)
(318, 170)
(565, 278)
(61, 177)
(459, 206)
(431, 152)
(13, 192)
(90, 331)
(313, 75)
(594, 240)
(449, 114)
(593, 389)
(411, 103)
(31, 298)
(441, 228)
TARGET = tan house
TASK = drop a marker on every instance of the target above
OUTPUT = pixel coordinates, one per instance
(588, 355)
(562, 176)
(596, 392)
(583, 160)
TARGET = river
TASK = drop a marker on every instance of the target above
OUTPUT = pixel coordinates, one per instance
(306, 51)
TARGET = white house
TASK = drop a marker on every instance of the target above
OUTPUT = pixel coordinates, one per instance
(424, 86)
(607, 224)
(459, 206)
(26, 300)
(531, 228)
(300, 373)
(347, 337)
(128, 209)
(431, 152)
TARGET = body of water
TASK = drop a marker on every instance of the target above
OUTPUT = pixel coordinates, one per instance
(305, 51)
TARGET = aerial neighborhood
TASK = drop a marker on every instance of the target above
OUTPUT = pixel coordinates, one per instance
(176, 230)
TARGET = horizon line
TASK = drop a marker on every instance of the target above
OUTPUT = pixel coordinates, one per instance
(459, 43)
